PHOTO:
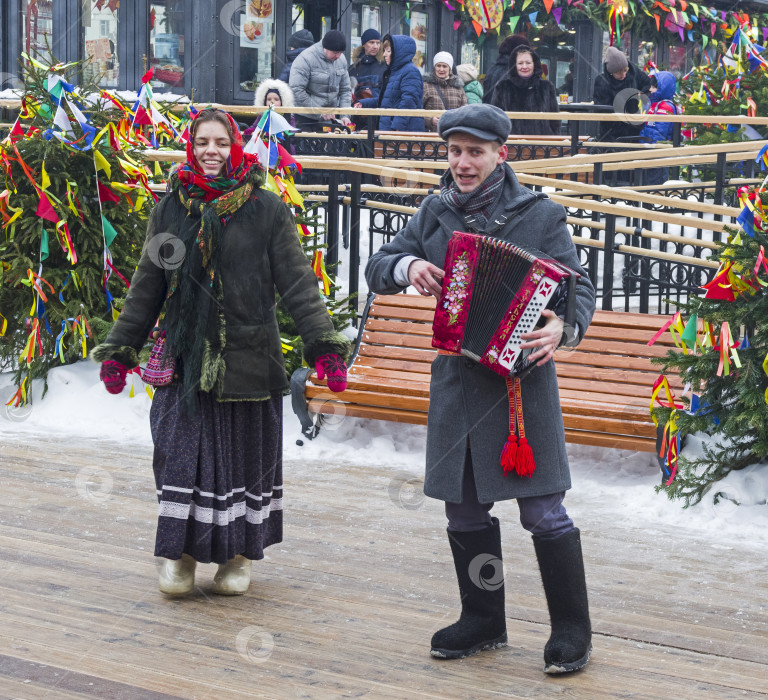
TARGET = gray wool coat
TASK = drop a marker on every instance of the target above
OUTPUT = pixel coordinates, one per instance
(468, 402)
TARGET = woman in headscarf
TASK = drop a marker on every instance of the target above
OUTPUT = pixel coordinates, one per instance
(217, 247)
(442, 89)
(526, 90)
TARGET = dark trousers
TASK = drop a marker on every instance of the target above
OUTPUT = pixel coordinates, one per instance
(544, 516)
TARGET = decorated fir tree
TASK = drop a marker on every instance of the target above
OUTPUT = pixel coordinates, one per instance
(74, 209)
(737, 85)
(723, 359)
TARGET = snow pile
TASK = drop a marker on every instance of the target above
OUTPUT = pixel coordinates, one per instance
(607, 484)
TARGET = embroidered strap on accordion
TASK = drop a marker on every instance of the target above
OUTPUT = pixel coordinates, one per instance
(517, 453)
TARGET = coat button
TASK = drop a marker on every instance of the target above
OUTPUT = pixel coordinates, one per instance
(469, 364)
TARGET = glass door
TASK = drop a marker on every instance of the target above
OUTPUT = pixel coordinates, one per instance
(167, 46)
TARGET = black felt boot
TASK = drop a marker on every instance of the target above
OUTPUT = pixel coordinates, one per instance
(562, 573)
(480, 572)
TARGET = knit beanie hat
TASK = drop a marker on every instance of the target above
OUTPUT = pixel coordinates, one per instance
(615, 60)
(302, 39)
(443, 57)
(334, 41)
(370, 35)
(467, 72)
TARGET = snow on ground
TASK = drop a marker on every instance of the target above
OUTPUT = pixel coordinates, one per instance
(607, 484)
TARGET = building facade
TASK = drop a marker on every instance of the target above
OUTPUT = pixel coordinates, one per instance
(221, 49)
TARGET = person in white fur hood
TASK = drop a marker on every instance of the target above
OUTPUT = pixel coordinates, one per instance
(275, 93)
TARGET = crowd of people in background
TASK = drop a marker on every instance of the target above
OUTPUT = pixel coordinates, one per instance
(383, 74)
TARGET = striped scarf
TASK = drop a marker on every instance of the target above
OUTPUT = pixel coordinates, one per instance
(480, 202)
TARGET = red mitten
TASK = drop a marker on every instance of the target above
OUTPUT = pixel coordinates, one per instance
(332, 366)
(113, 375)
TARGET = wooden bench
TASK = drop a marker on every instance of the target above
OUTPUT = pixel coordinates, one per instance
(605, 383)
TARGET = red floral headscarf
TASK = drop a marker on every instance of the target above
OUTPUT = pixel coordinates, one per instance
(236, 170)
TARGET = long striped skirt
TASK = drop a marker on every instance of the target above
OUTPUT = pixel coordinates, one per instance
(219, 476)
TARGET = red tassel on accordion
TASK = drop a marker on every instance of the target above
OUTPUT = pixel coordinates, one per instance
(509, 454)
(525, 465)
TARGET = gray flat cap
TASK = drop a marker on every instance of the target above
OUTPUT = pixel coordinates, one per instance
(482, 121)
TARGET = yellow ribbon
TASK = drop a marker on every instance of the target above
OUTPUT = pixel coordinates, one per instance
(765, 369)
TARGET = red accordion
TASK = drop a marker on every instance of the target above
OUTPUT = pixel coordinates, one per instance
(493, 292)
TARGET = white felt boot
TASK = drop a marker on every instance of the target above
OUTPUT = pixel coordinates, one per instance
(177, 576)
(234, 577)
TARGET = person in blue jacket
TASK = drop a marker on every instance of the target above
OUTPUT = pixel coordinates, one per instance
(662, 94)
(402, 86)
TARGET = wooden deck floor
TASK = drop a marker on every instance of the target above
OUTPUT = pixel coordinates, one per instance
(346, 605)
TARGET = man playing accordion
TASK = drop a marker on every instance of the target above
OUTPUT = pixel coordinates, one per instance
(474, 415)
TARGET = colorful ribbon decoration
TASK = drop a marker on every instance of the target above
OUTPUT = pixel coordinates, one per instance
(68, 122)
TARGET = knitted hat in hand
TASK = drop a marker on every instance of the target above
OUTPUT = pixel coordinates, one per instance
(615, 60)
(467, 72)
(443, 57)
(370, 35)
(334, 41)
(302, 39)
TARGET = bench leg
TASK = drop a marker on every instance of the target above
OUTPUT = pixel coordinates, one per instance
(309, 429)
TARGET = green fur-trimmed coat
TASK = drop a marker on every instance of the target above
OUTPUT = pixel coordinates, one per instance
(260, 252)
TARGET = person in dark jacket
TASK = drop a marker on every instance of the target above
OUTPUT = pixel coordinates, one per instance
(367, 69)
(620, 85)
(299, 41)
(402, 86)
(498, 71)
(525, 90)
(217, 247)
(366, 74)
(470, 417)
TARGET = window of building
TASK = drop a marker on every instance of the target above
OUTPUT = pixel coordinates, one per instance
(470, 53)
(297, 18)
(417, 25)
(364, 16)
(166, 43)
(99, 42)
(257, 43)
(36, 26)
(554, 43)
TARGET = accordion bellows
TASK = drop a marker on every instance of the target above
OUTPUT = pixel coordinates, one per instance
(493, 292)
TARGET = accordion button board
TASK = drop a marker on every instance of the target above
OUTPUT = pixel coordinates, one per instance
(493, 293)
